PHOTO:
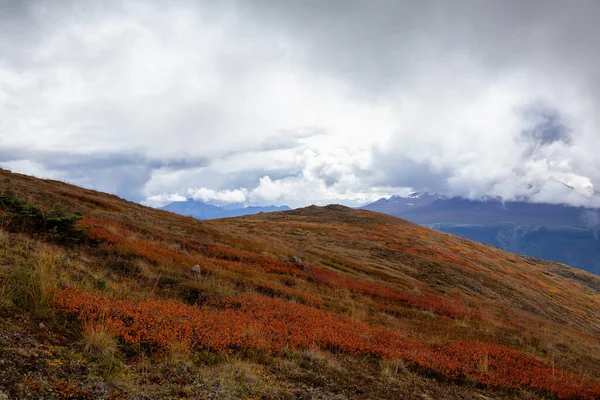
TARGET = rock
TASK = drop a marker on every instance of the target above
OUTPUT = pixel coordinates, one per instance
(3, 395)
(358, 390)
(43, 327)
(196, 268)
(299, 264)
(175, 246)
(64, 258)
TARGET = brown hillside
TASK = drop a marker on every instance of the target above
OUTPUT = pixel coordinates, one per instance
(104, 298)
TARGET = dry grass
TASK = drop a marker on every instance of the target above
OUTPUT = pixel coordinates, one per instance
(5, 295)
(245, 380)
(314, 355)
(218, 285)
(391, 368)
(33, 286)
(98, 339)
(484, 363)
(178, 354)
(4, 237)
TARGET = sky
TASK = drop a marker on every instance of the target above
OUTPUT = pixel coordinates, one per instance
(304, 102)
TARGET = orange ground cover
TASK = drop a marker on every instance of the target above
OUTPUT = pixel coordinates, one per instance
(158, 253)
(255, 322)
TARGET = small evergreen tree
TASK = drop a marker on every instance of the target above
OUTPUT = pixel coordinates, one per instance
(54, 225)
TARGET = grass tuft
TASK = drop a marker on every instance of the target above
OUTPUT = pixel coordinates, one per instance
(33, 285)
(245, 380)
(391, 368)
(178, 354)
(5, 296)
(98, 339)
(4, 237)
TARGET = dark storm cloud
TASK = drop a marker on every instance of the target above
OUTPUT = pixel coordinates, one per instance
(125, 174)
(376, 43)
(395, 171)
(63, 160)
(544, 125)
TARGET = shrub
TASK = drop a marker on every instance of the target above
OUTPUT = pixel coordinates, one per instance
(100, 283)
(53, 225)
(123, 265)
(255, 323)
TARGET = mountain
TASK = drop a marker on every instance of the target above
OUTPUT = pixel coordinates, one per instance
(444, 210)
(105, 298)
(200, 210)
(398, 205)
(196, 209)
(556, 232)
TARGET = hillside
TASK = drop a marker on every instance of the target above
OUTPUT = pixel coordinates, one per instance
(104, 298)
(556, 232)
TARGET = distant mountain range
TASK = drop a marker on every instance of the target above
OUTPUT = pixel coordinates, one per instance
(567, 234)
(201, 210)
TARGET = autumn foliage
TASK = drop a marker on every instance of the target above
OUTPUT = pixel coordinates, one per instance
(250, 323)
(322, 280)
(226, 257)
(436, 304)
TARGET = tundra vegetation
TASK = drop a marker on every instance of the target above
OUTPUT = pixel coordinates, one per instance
(104, 298)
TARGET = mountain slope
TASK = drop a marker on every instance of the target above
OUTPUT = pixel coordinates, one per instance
(319, 302)
(555, 232)
(436, 209)
(200, 210)
(397, 205)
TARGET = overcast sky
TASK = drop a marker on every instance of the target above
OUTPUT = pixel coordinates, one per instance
(301, 102)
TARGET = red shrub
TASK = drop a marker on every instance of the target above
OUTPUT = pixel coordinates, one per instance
(448, 307)
(256, 322)
(241, 260)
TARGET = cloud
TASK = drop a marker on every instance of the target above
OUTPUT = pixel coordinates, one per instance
(220, 197)
(543, 125)
(123, 173)
(303, 102)
(162, 199)
(591, 218)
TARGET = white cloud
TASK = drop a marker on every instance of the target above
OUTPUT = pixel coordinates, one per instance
(30, 168)
(297, 102)
(222, 197)
(162, 199)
